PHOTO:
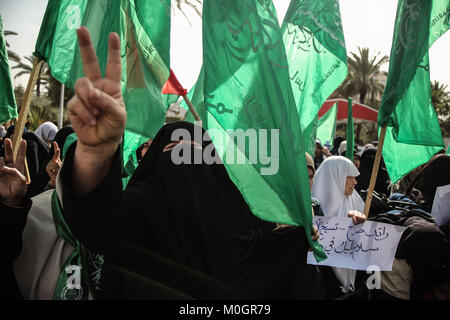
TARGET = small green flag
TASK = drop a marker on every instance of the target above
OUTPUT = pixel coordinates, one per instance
(350, 132)
(413, 133)
(144, 29)
(317, 58)
(8, 108)
(247, 88)
(326, 128)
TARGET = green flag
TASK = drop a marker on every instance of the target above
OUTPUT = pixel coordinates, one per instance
(247, 95)
(326, 128)
(8, 108)
(317, 58)
(413, 134)
(144, 30)
(309, 137)
(350, 132)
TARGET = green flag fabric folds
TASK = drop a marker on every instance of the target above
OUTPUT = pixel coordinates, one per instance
(248, 97)
(326, 128)
(144, 30)
(8, 108)
(317, 58)
(413, 133)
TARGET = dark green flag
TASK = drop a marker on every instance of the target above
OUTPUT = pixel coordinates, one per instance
(413, 132)
(8, 108)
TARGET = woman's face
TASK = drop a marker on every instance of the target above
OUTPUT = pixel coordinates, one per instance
(356, 162)
(350, 184)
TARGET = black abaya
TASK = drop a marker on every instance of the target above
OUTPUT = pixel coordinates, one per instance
(191, 214)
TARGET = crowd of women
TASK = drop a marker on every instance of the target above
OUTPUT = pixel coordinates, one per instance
(185, 231)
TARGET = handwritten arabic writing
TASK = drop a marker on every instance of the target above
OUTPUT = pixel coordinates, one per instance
(357, 246)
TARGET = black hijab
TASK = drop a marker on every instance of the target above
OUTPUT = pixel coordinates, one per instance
(199, 218)
(434, 174)
(197, 210)
(40, 179)
(365, 170)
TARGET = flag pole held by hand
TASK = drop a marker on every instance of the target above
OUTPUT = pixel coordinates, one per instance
(373, 178)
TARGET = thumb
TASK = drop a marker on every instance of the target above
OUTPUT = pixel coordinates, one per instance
(12, 172)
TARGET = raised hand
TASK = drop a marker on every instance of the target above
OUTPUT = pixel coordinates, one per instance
(97, 114)
(12, 181)
(97, 111)
(54, 165)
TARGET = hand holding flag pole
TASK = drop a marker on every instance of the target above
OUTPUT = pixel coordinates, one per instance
(173, 86)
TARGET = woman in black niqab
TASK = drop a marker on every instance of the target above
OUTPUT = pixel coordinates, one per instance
(192, 214)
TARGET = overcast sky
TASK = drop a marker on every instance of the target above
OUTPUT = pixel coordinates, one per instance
(366, 23)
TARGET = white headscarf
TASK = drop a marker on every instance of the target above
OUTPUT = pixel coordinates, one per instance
(47, 131)
(342, 147)
(2, 131)
(329, 189)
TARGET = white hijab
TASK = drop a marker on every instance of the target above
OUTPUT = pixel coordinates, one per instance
(329, 189)
(47, 131)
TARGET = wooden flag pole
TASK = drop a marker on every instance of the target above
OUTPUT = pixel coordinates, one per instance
(191, 108)
(24, 108)
(376, 165)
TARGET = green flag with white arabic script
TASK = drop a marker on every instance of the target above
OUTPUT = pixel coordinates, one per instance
(316, 54)
(413, 132)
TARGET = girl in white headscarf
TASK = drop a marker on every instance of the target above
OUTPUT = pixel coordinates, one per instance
(334, 184)
(47, 132)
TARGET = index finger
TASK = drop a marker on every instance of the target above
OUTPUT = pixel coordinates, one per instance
(56, 151)
(89, 58)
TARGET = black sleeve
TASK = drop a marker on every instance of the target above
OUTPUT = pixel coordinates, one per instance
(12, 222)
(106, 213)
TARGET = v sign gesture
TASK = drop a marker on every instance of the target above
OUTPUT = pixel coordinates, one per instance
(97, 113)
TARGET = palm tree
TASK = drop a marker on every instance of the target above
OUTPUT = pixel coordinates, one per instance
(440, 98)
(11, 54)
(27, 68)
(363, 76)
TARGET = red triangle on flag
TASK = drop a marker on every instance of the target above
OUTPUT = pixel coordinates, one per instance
(173, 86)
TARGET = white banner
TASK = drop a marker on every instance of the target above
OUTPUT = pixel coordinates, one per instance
(441, 205)
(357, 247)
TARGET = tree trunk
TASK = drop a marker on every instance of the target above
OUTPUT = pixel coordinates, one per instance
(38, 87)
